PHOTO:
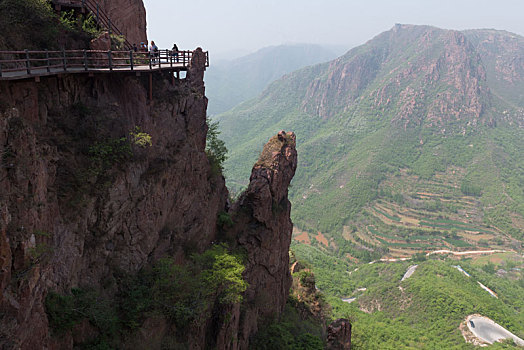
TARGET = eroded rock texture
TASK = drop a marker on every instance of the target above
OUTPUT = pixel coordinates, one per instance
(77, 205)
(339, 335)
(129, 16)
(263, 228)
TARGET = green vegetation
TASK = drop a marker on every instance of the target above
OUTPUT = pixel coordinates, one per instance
(27, 24)
(140, 138)
(184, 294)
(34, 25)
(365, 163)
(427, 311)
(107, 153)
(394, 218)
(331, 273)
(215, 148)
(291, 332)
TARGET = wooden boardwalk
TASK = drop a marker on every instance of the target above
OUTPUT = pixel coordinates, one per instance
(16, 65)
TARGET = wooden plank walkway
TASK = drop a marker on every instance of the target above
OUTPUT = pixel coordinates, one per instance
(15, 65)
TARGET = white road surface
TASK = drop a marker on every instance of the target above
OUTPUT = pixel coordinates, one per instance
(461, 270)
(489, 331)
(492, 293)
(409, 272)
(349, 300)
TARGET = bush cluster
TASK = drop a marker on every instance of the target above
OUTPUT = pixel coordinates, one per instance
(185, 294)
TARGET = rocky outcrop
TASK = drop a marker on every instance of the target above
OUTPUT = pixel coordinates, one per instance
(416, 75)
(87, 198)
(101, 43)
(339, 335)
(129, 16)
(263, 229)
(82, 200)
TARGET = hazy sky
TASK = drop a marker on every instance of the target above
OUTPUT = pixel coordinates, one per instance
(243, 26)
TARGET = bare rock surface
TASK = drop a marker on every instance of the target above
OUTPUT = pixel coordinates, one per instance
(72, 216)
(263, 228)
(129, 16)
(339, 335)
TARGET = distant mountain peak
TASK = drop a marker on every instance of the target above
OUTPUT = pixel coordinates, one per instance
(411, 74)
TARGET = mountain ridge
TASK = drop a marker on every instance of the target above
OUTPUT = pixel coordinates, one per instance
(231, 82)
(412, 106)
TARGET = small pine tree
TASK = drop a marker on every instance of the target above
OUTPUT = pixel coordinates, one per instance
(215, 148)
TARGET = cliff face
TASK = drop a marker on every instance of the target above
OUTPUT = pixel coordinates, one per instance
(129, 16)
(86, 198)
(419, 75)
(82, 199)
(503, 55)
(263, 228)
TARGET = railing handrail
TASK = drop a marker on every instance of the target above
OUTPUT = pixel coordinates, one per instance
(32, 63)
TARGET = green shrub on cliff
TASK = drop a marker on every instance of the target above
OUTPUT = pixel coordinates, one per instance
(215, 148)
(185, 294)
(140, 138)
(290, 332)
(27, 24)
(65, 311)
(34, 25)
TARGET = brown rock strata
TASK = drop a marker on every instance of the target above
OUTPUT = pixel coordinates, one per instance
(339, 335)
(129, 16)
(263, 229)
(70, 219)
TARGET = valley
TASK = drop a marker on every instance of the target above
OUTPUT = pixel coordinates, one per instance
(394, 164)
(410, 154)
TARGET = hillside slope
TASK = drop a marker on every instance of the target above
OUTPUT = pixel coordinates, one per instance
(406, 144)
(426, 310)
(229, 83)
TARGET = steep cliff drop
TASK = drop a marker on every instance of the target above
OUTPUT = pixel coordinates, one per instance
(263, 228)
(85, 197)
(99, 182)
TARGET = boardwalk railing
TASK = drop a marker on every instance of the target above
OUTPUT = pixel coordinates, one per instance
(20, 64)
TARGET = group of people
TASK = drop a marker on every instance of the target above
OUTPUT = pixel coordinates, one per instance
(153, 50)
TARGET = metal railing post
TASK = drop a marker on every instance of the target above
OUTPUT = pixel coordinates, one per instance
(27, 63)
(0, 69)
(110, 60)
(64, 59)
(85, 60)
(159, 53)
(150, 59)
(131, 58)
(48, 62)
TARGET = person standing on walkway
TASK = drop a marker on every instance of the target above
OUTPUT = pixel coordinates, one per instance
(174, 52)
(153, 51)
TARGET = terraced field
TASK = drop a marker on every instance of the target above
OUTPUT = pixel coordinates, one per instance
(414, 215)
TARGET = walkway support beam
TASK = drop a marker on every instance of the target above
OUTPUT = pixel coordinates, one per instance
(27, 62)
